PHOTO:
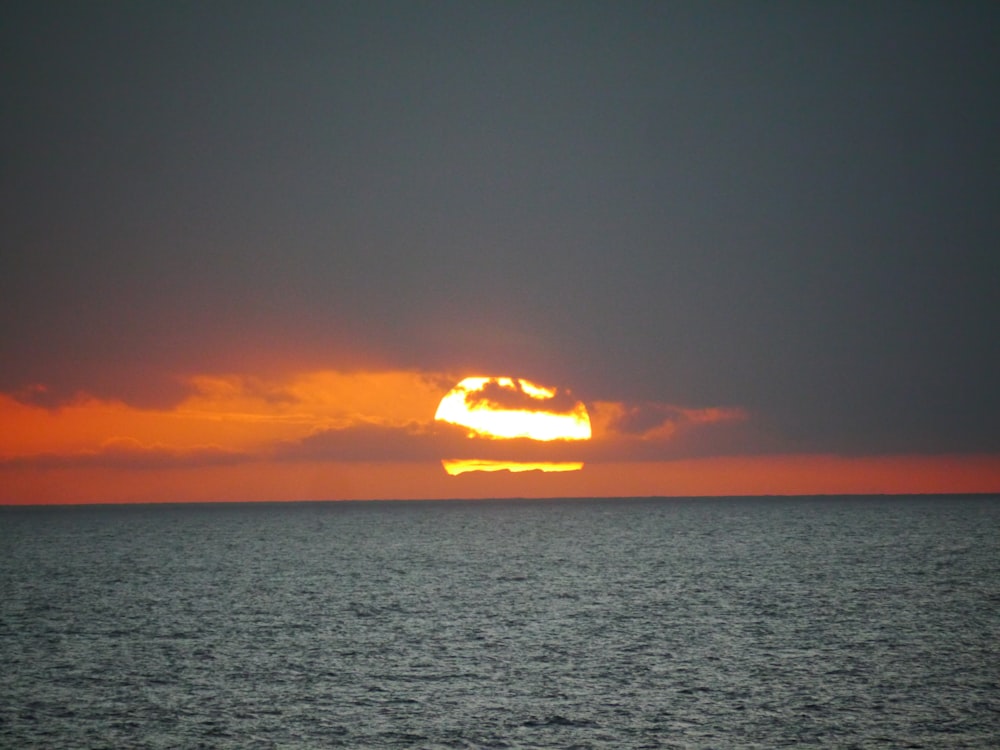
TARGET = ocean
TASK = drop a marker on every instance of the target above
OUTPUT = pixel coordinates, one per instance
(634, 623)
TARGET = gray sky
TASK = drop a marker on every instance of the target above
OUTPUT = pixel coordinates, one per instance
(788, 208)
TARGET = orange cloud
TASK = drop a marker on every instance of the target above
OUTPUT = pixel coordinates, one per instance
(333, 435)
(332, 416)
(316, 399)
(236, 413)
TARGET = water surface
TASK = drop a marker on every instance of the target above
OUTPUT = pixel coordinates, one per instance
(798, 622)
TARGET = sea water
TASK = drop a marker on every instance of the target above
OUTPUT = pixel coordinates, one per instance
(695, 623)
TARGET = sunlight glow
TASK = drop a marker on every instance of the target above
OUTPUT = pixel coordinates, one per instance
(530, 417)
(503, 408)
(454, 467)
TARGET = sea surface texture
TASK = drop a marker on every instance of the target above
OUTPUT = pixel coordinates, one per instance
(708, 623)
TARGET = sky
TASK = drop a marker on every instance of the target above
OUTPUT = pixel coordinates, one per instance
(247, 247)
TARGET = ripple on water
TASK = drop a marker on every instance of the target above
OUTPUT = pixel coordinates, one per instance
(602, 624)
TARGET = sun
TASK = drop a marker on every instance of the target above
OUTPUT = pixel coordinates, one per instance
(456, 466)
(506, 408)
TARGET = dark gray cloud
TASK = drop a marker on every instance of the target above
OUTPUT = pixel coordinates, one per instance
(419, 442)
(502, 397)
(787, 208)
(640, 419)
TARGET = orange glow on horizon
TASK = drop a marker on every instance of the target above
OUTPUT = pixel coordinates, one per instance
(221, 412)
(324, 480)
(329, 435)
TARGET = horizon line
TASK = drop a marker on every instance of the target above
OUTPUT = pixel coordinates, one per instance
(506, 498)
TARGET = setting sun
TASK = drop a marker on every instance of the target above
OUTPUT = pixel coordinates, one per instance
(513, 408)
(504, 408)
(457, 466)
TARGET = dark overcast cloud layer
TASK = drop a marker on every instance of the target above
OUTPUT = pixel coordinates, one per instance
(788, 208)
